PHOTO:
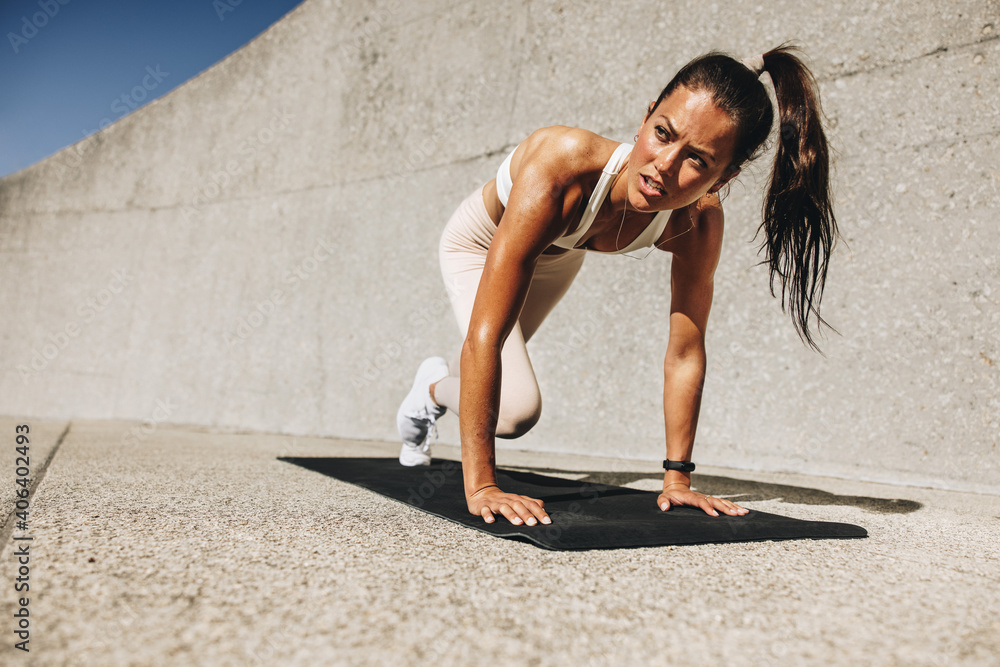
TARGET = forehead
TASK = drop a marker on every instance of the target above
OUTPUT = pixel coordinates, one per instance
(694, 115)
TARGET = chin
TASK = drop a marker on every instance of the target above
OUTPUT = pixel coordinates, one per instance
(646, 206)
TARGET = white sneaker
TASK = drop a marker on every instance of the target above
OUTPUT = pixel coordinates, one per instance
(418, 413)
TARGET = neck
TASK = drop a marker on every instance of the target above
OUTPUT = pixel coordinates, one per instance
(617, 199)
(616, 206)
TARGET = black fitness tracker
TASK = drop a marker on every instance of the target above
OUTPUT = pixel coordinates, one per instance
(683, 466)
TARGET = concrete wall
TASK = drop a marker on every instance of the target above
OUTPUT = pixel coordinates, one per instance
(173, 266)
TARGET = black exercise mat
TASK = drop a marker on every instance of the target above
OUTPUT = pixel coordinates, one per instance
(584, 515)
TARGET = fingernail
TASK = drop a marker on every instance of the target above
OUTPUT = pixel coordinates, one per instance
(546, 519)
(489, 519)
(531, 521)
(517, 521)
(663, 507)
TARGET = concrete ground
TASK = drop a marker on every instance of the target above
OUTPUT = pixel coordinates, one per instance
(181, 546)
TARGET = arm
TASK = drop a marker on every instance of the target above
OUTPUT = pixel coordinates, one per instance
(684, 368)
(533, 219)
(691, 288)
(501, 294)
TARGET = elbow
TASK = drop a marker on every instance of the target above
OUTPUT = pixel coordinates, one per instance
(685, 357)
(480, 341)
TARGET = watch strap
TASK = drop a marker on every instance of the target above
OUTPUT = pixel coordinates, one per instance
(683, 466)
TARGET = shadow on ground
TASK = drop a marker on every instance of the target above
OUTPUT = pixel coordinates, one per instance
(741, 490)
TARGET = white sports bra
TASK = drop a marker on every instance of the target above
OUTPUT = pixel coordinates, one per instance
(645, 240)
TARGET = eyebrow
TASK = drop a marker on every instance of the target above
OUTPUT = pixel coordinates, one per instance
(696, 149)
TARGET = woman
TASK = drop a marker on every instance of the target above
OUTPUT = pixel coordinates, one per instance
(511, 250)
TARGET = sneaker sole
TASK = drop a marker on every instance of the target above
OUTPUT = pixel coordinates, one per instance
(410, 458)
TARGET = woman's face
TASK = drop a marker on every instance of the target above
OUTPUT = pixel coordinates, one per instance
(684, 148)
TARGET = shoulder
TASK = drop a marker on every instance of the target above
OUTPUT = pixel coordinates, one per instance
(568, 142)
(564, 153)
(549, 172)
(709, 217)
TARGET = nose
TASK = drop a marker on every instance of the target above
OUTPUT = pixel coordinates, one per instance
(667, 159)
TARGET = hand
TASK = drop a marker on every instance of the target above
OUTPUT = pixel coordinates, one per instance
(679, 493)
(518, 509)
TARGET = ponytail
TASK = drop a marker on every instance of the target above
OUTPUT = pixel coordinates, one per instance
(799, 226)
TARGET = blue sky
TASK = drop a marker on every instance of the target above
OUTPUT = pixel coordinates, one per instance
(66, 66)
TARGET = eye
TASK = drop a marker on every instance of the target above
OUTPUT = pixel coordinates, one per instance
(661, 132)
(699, 160)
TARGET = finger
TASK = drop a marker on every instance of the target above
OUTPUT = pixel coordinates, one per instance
(706, 504)
(664, 503)
(541, 515)
(511, 515)
(720, 503)
(487, 515)
(536, 508)
(524, 513)
(729, 507)
(737, 510)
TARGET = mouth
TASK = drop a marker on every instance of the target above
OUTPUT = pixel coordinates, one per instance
(652, 187)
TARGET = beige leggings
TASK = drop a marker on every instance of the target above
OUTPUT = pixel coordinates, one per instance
(462, 252)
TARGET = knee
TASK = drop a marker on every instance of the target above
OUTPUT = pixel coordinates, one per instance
(515, 422)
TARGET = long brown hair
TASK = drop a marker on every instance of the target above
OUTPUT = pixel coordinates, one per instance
(799, 226)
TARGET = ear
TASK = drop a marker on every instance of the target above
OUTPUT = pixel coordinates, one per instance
(722, 181)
